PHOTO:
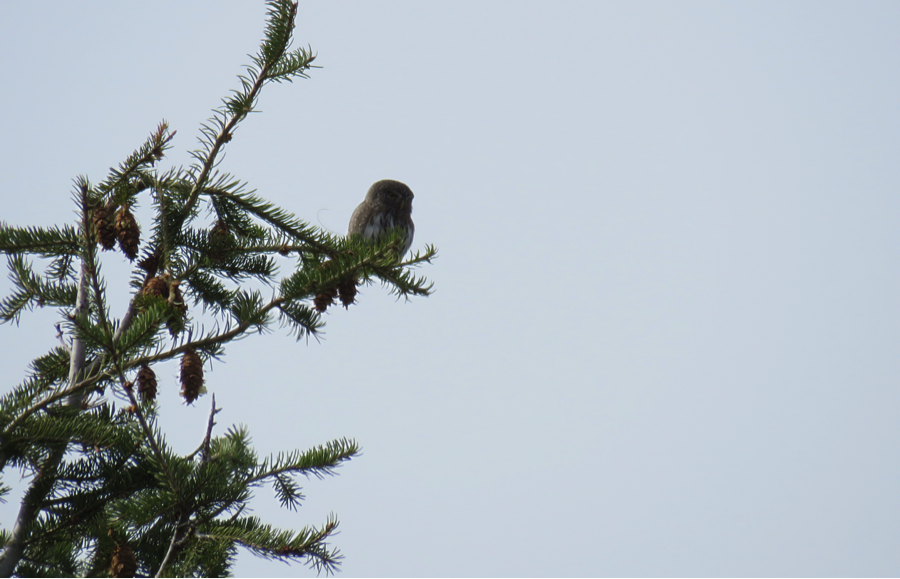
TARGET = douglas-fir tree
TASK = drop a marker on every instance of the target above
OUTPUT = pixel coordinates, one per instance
(106, 494)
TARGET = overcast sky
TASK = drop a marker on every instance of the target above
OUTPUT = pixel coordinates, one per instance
(664, 338)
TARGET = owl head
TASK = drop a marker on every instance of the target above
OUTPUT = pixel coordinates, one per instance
(389, 193)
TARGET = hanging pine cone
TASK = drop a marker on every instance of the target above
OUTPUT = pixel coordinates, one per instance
(156, 287)
(347, 291)
(325, 299)
(146, 380)
(124, 563)
(127, 232)
(106, 235)
(220, 240)
(191, 376)
(220, 230)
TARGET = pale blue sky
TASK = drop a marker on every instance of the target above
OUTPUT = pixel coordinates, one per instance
(664, 339)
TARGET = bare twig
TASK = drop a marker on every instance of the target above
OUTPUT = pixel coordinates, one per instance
(204, 446)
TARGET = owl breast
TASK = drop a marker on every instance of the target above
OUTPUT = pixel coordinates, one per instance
(384, 221)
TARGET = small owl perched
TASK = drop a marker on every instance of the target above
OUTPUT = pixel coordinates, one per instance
(387, 205)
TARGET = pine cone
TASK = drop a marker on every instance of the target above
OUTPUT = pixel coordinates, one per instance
(325, 299)
(127, 232)
(106, 235)
(146, 380)
(124, 563)
(191, 376)
(220, 230)
(347, 291)
(220, 240)
(157, 287)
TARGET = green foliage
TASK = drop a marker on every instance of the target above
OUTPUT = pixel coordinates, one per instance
(102, 476)
(33, 289)
(49, 242)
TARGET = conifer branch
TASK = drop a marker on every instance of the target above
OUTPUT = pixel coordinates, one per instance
(149, 153)
(91, 375)
(74, 395)
(62, 394)
(32, 289)
(267, 542)
(240, 105)
(319, 461)
(277, 217)
(148, 433)
(52, 242)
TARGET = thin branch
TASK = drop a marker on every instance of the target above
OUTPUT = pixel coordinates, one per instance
(316, 470)
(181, 523)
(204, 446)
(223, 137)
(149, 434)
(177, 542)
(73, 390)
(151, 151)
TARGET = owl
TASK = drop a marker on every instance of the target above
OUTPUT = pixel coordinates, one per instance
(387, 205)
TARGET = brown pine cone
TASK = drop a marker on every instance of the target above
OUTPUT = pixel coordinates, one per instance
(106, 235)
(127, 232)
(146, 380)
(191, 376)
(325, 299)
(157, 287)
(347, 291)
(124, 563)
